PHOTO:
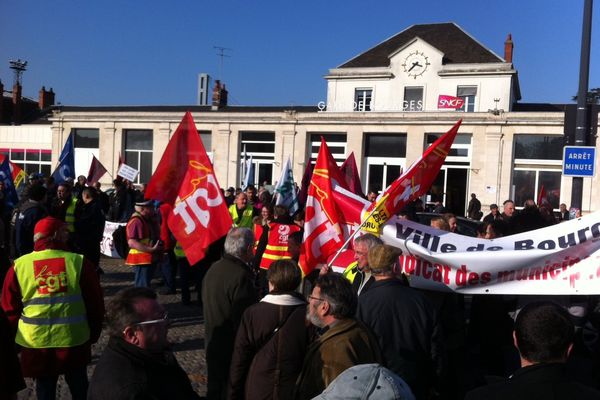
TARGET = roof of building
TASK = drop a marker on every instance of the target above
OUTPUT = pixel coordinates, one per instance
(183, 108)
(457, 45)
(30, 112)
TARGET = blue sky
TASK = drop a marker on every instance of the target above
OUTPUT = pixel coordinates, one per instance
(131, 52)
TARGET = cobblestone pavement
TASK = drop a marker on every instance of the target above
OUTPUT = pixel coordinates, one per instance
(186, 333)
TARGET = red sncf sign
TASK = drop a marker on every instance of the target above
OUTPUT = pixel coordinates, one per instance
(450, 102)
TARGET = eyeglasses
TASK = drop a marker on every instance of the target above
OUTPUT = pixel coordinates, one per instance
(164, 319)
(315, 298)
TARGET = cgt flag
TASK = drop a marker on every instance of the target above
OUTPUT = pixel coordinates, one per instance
(414, 183)
(96, 172)
(66, 163)
(185, 179)
(323, 231)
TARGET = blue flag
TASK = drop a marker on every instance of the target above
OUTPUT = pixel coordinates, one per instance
(10, 192)
(66, 163)
(286, 192)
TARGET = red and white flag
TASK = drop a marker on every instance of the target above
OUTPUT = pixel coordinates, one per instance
(323, 231)
(185, 179)
(96, 171)
(412, 184)
(542, 198)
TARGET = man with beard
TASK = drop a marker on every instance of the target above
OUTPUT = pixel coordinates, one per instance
(341, 342)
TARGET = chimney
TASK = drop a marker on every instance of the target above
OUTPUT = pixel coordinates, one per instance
(219, 96)
(46, 99)
(508, 49)
(16, 101)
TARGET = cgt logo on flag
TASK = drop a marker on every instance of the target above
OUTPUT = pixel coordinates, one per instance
(50, 276)
(450, 102)
(208, 191)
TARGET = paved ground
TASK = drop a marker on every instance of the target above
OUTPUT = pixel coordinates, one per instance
(186, 333)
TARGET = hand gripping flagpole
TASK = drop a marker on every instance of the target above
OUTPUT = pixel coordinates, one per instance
(376, 208)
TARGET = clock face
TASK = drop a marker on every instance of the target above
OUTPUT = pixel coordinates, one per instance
(415, 64)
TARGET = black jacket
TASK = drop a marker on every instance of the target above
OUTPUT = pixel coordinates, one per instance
(408, 332)
(541, 381)
(227, 290)
(125, 371)
(31, 212)
(265, 362)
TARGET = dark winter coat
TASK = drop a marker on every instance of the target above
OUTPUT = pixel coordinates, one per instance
(31, 212)
(228, 289)
(408, 332)
(536, 382)
(125, 372)
(265, 362)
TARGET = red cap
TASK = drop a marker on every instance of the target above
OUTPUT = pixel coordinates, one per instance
(47, 227)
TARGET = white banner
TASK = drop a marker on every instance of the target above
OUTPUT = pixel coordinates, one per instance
(560, 259)
(107, 246)
(127, 172)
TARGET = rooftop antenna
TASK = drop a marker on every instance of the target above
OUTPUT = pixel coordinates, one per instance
(221, 54)
(19, 66)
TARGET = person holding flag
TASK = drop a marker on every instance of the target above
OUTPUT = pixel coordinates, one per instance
(185, 179)
(66, 163)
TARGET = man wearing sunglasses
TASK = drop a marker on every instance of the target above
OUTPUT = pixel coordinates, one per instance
(137, 362)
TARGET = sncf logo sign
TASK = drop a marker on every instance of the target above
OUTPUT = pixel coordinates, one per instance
(450, 102)
(50, 275)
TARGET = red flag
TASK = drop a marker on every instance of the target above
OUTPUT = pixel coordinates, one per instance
(96, 172)
(323, 231)
(350, 173)
(121, 162)
(308, 171)
(542, 197)
(185, 179)
(412, 184)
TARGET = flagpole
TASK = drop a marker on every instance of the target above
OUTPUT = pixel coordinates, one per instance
(335, 256)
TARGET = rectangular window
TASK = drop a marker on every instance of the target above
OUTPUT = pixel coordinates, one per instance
(539, 147)
(87, 138)
(385, 156)
(261, 146)
(30, 160)
(413, 99)
(468, 94)
(206, 138)
(537, 164)
(138, 152)
(336, 142)
(362, 99)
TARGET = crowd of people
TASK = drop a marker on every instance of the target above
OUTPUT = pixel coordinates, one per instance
(270, 332)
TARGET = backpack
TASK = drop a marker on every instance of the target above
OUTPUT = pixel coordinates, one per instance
(120, 241)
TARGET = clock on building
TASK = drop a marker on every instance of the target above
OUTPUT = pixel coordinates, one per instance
(415, 64)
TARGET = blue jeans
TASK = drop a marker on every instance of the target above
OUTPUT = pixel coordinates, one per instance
(45, 387)
(143, 275)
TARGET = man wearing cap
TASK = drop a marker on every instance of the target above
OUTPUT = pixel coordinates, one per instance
(54, 303)
(493, 215)
(405, 324)
(341, 342)
(144, 246)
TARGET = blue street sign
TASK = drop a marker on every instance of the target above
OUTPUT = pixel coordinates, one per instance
(579, 161)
